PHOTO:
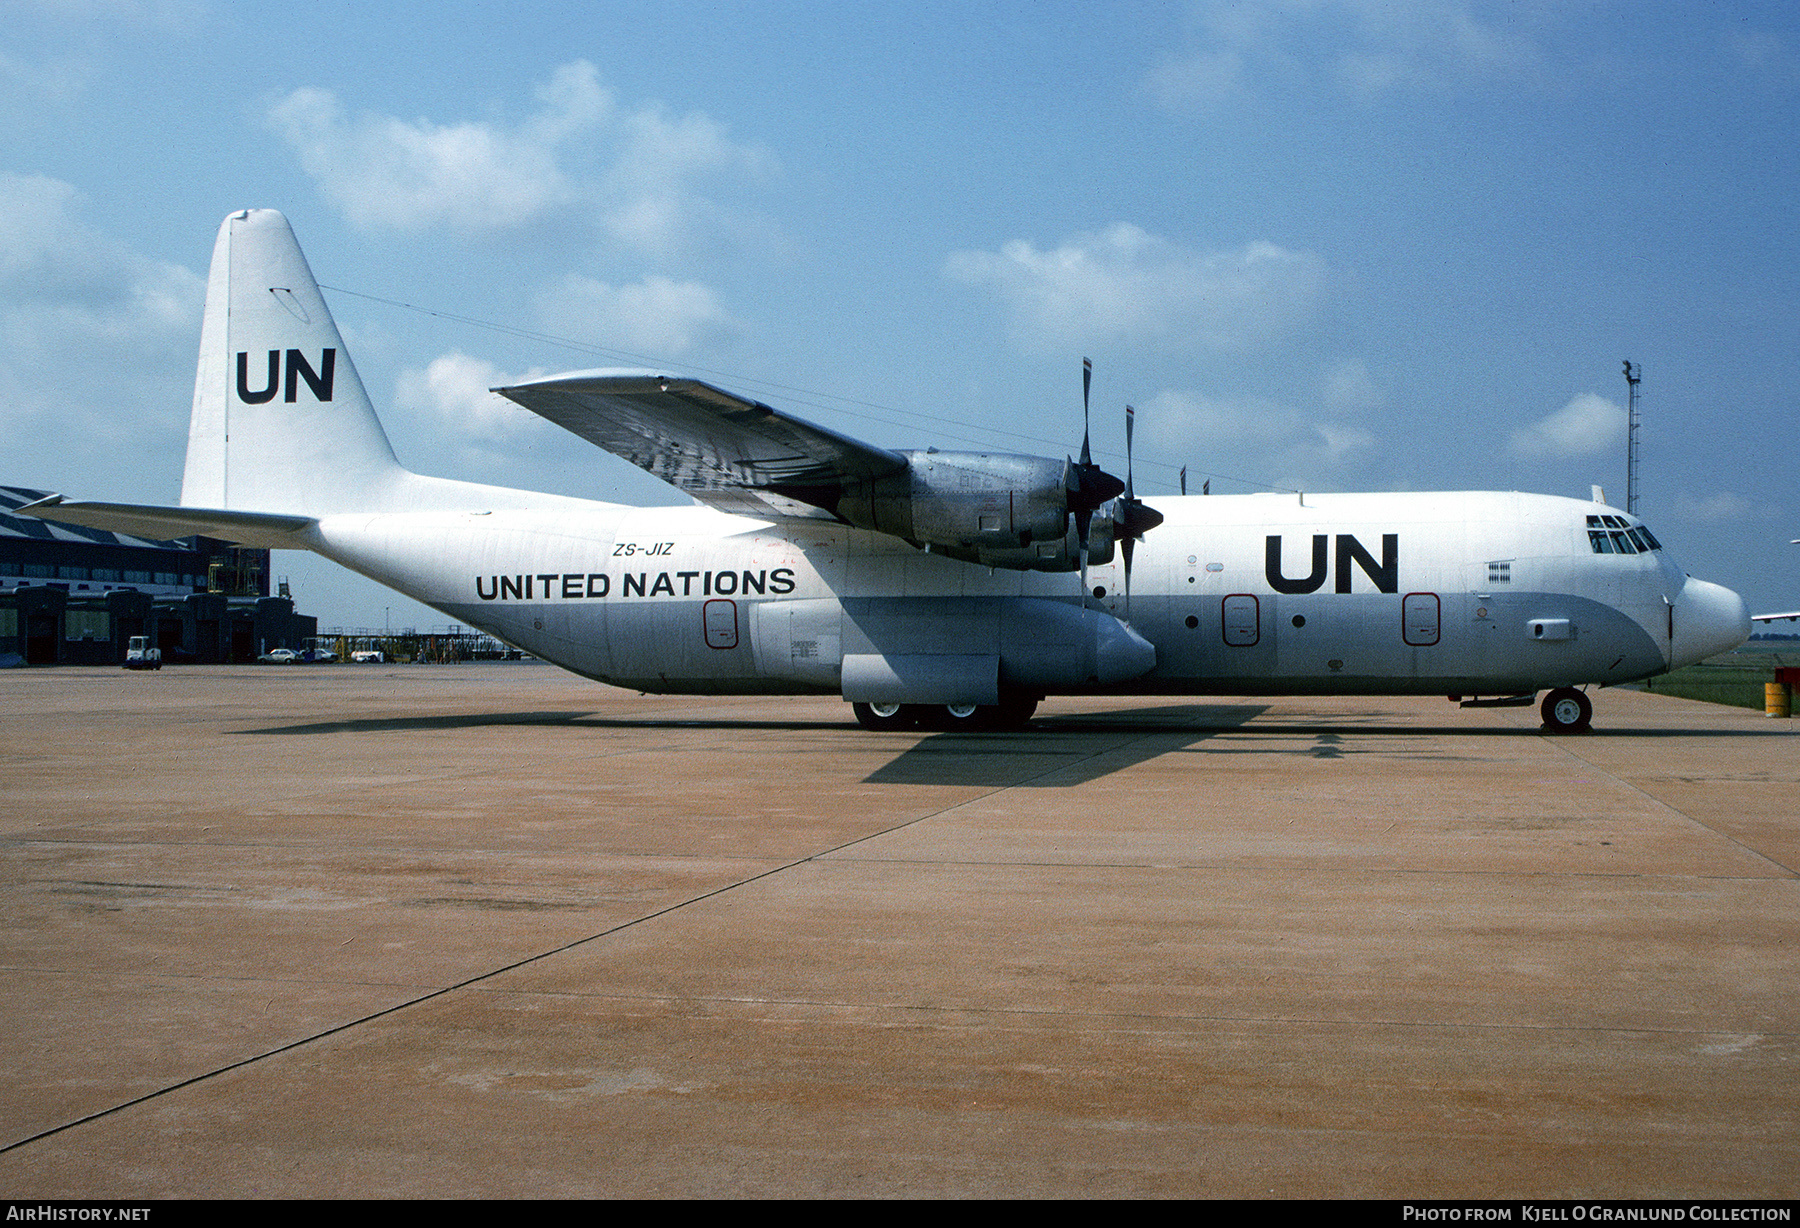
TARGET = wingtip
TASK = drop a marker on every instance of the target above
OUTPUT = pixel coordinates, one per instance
(594, 373)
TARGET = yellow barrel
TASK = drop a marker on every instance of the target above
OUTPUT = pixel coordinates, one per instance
(1777, 699)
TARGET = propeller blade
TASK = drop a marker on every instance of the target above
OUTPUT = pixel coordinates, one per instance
(1130, 420)
(1127, 542)
(1132, 518)
(1084, 520)
(1084, 510)
(1125, 547)
(1087, 382)
(1088, 486)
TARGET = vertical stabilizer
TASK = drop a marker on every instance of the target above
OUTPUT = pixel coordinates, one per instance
(281, 422)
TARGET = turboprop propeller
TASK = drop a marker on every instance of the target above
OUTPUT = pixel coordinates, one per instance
(1089, 486)
(1132, 518)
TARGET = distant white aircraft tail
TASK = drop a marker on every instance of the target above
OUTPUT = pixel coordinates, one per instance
(281, 421)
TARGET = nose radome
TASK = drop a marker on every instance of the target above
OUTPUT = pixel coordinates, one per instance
(1709, 619)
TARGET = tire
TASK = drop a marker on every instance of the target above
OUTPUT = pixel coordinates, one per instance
(1566, 710)
(959, 718)
(885, 718)
(1014, 712)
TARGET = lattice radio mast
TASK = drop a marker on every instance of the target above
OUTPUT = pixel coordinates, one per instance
(1634, 374)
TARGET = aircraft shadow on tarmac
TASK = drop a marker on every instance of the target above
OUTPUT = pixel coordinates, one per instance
(421, 724)
(1055, 751)
(1182, 718)
(1058, 752)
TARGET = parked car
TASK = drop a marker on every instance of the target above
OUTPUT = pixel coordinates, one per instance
(279, 656)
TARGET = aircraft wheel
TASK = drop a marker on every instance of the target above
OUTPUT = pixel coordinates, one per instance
(1566, 710)
(1014, 712)
(885, 718)
(961, 717)
(950, 717)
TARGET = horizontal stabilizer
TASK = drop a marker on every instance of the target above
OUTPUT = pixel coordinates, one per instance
(263, 530)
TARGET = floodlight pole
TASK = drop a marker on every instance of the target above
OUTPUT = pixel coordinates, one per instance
(1634, 373)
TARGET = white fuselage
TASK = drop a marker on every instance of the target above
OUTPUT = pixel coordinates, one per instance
(1464, 593)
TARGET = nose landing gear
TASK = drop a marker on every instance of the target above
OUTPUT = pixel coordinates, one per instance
(1566, 710)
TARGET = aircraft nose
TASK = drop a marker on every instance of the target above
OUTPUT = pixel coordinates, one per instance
(1709, 619)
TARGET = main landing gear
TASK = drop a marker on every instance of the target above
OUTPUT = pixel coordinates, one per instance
(1566, 710)
(1011, 713)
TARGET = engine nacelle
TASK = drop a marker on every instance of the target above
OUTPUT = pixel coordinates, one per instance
(989, 508)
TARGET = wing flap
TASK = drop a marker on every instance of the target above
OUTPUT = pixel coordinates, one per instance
(731, 452)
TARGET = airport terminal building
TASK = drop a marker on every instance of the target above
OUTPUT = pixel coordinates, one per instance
(75, 596)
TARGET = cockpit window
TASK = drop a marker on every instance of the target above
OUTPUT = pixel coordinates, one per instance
(1617, 535)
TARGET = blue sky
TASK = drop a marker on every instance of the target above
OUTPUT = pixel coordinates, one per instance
(1320, 244)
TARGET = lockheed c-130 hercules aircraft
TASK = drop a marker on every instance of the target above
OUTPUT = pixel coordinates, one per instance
(948, 589)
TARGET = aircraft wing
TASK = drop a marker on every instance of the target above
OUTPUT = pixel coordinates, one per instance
(729, 452)
(259, 529)
(1790, 616)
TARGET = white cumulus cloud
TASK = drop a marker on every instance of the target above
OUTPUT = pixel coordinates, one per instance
(1175, 422)
(1362, 47)
(657, 317)
(1341, 441)
(1253, 441)
(1588, 424)
(453, 394)
(636, 174)
(410, 175)
(651, 187)
(1126, 284)
(96, 341)
(1349, 388)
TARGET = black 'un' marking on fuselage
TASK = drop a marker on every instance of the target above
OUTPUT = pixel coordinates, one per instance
(1385, 574)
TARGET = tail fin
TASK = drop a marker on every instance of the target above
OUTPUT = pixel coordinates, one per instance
(281, 422)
